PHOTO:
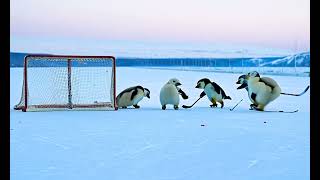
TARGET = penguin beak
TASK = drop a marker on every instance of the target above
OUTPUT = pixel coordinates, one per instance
(178, 84)
(148, 96)
(242, 86)
(238, 82)
(198, 86)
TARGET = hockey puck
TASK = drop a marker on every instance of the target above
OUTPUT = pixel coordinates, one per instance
(264, 122)
(202, 125)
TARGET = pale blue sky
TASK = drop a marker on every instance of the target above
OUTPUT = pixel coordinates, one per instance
(275, 24)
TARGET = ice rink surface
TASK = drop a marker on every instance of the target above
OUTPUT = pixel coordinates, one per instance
(200, 143)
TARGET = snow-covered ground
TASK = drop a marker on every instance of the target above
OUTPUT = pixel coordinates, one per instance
(152, 144)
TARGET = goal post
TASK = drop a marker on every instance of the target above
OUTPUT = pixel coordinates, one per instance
(63, 82)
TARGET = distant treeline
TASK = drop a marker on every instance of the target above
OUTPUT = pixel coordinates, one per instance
(16, 60)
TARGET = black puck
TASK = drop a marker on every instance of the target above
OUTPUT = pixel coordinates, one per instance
(202, 125)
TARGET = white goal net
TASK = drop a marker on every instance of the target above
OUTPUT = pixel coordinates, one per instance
(68, 83)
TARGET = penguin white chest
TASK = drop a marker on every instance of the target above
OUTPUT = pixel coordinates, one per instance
(169, 95)
(211, 93)
(261, 91)
(137, 99)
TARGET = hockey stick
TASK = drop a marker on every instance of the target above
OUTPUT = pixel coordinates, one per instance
(236, 105)
(284, 111)
(281, 111)
(185, 106)
(296, 94)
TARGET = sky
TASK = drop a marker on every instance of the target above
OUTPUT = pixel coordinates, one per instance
(280, 26)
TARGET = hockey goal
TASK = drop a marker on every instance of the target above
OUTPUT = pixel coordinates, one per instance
(59, 82)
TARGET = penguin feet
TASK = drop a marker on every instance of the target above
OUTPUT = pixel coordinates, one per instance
(176, 107)
(257, 108)
(163, 107)
(202, 94)
(136, 106)
(214, 105)
(252, 106)
(124, 107)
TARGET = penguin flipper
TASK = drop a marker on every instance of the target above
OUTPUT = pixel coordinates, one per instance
(253, 96)
(218, 89)
(183, 94)
(202, 94)
(134, 93)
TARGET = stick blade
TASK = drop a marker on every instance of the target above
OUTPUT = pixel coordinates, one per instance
(297, 94)
(186, 107)
(306, 89)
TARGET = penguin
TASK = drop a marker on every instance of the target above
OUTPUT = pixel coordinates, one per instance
(169, 94)
(244, 84)
(213, 91)
(261, 90)
(242, 81)
(132, 96)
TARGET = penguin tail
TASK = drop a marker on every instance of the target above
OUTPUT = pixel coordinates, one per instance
(227, 97)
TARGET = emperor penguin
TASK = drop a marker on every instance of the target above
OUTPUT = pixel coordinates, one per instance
(261, 90)
(213, 91)
(170, 92)
(132, 96)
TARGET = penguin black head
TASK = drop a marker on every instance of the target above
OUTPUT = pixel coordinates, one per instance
(253, 74)
(146, 92)
(202, 83)
(174, 81)
(242, 80)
